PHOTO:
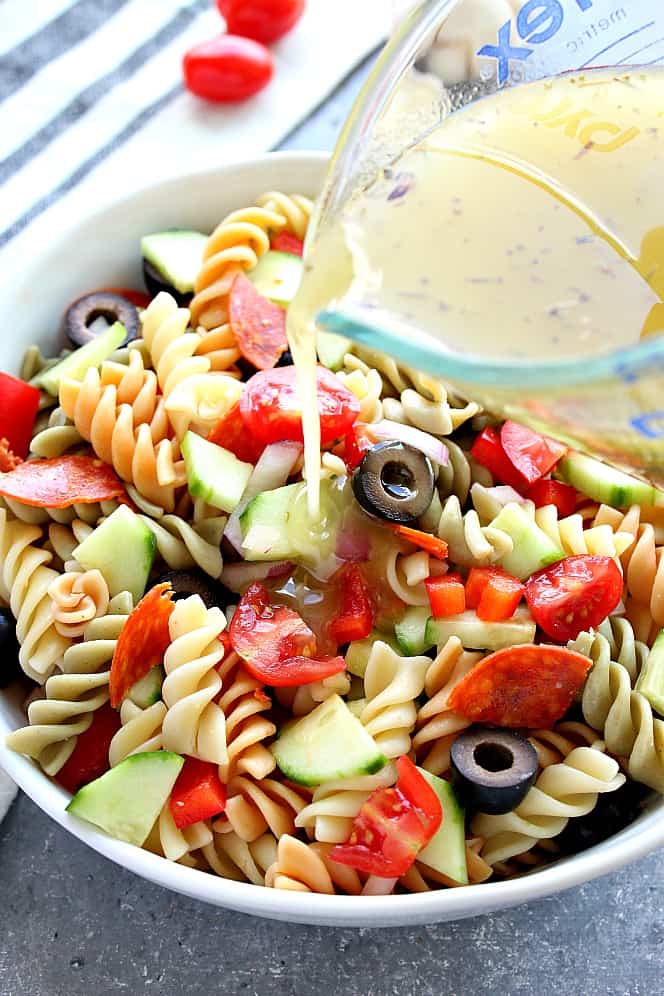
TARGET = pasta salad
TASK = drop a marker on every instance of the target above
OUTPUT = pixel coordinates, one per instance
(456, 673)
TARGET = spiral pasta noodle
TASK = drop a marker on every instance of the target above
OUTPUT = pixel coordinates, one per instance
(89, 514)
(24, 583)
(623, 716)
(194, 724)
(77, 598)
(298, 868)
(391, 684)
(237, 244)
(256, 806)
(367, 386)
(56, 437)
(304, 698)
(335, 804)
(569, 534)
(228, 856)
(182, 546)
(562, 791)
(437, 726)
(140, 731)
(171, 347)
(469, 543)
(176, 844)
(72, 697)
(243, 701)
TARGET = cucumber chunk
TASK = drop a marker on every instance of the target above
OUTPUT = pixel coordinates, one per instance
(213, 473)
(446, 851)
(331, 349)
(651, 680)
(277, 275)
(77, 364)
(123, 549)
(411, 632)
(533, 549)
(327, 744)
(263, 524)
(357, 655)
(606, 484)
(177, 256)
(126, 801)
(147, 690)
(478, 635)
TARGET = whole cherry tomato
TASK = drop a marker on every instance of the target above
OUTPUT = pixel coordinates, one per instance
(263, 20)
(227, 68)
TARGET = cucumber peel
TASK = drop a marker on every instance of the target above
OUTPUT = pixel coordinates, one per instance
(77, 364)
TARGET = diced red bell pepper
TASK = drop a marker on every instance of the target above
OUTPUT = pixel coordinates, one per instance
(198, 793)
(89, 759)
(447, 595)
(19, 403)
(393, 826)
(425, 541)
(493, 593)
(285, 242)
(548, 492)
(357, 614)
(143, 641)
(231, 433)
(61, 482)
(488, 450)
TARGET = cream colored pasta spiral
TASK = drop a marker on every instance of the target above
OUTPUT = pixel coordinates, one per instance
(405, 574)
(140, 731)
(391, 684)
(139, 452)
(231, 857)
(367, 386)
(298, 868)
(88, 513)
(24, 584)
(335, 804)
(573, 539)
(427, 407)
(437, 726)
(561, 792)
(71, 698)
(256, 806)
(460, 473)
(56, 437)
(194, 724)
(171, 347)
(470, 544)
(623, 716)
(237, 244)
(303, 699)
(63, 540)
(77, 598)
(167, 840)
(243, 700)
(421, 878)
(182, 546)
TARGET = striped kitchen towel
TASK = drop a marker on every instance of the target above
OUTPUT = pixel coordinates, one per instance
(91, 98)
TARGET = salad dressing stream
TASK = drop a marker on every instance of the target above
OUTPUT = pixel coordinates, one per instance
(525, 227)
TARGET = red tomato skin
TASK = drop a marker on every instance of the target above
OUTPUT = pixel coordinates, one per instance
(198, 793)
(532, 454)
(258, 325)
(263, 20)
(393, 826)
(231, 433)
(447, 596)
(488, 450)
(285, 242)
(89, 759)
(573, 595)
(270, 406)
(356, 444)
(528, 685)
(227, 69)
(276, 644)
(356, 619)
(19, 403)
(548, 492)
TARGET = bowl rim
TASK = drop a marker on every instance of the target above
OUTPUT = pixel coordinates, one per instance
(352, 911)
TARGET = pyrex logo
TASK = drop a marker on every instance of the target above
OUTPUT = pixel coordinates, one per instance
(537, 22)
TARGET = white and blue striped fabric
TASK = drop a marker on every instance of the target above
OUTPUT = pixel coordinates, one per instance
(92, 102)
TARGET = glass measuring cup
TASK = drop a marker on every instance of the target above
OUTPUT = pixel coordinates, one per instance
(610, 402)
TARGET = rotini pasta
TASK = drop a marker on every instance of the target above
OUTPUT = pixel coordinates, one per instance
(77, 598)
(140, 731)
(298, 868)
(469, 543)
(256, 806)
(243, 701)
(231, 857)
(330, 814)
(391, 684)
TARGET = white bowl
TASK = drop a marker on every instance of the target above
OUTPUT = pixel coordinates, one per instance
(102, 250)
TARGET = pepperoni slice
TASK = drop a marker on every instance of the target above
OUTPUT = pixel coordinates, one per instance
(258, 325)
(61, 482)
(530, 685)
(143, 641)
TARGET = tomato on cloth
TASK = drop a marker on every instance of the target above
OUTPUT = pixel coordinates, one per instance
(227, 68)
(62, 481)
(198, 793)
(143, 641)
(258, 325)
(89, 759)
(529, 685)
(264, 20)
(573, 595)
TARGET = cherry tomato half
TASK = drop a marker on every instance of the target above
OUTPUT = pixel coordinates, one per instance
(532, 454)
(263, 20)
(573, 595)
(270, 406)
(227, 68)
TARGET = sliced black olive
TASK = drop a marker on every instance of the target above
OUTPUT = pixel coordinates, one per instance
(186, 583)
(155, 282)
(102, 304)
(9, 665)
(395, 482)
(492, 769)
(285, 360)
(614, 811)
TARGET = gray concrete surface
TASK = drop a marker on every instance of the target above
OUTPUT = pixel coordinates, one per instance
(73, 924)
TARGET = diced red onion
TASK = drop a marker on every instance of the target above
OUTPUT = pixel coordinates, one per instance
(273, 469)
(353, 547)
(239, 576)
(423, 441)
